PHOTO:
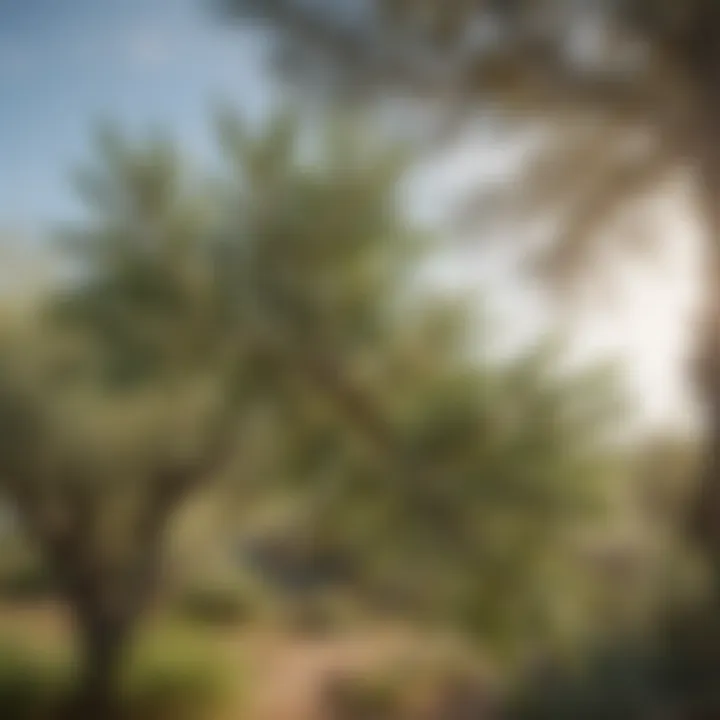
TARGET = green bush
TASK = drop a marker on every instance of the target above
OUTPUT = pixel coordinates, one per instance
(689, 662)
(169, 678)
(676, 671)
(33, 686)
(618, 682)
(25, 578)
(220, 602)
(174, 677)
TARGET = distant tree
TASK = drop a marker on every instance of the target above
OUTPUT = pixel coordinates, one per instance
(485, 522)
(262, 328)
(453, 483)
(117, 399)
(151, 370)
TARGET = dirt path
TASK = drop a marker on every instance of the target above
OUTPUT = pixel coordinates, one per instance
(284, 675)
(292, 673)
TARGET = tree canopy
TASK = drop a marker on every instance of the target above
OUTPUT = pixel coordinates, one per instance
(264, 328)
(622, 92)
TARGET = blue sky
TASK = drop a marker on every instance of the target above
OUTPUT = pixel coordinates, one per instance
(65, 64)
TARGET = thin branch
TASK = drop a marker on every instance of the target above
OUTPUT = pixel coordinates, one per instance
(616, 190)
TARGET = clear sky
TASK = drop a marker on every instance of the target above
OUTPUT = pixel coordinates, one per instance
(65, 64)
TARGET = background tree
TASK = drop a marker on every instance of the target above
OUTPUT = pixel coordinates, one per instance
(626, 91)
(263, 328)
(184, 323)
(510, 484)
(119, 401)
(454, 484)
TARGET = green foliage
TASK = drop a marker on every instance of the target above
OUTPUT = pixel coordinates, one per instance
(175, 675)
(33, 685)
(673, 671)
(169, 677)
(458, 484)
(689, 659)
(502, 469)
(619, 93)
(24, 577)
(271, 334)
(315, 243)
(620, 683)
(223, 602)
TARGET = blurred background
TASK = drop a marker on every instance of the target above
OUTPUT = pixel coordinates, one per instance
(360, 359)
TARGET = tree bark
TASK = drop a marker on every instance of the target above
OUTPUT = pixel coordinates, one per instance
(107, 610)
(108, 604)
(705, 515)
(103, 642)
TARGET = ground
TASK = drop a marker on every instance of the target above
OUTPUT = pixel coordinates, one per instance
(287, 673)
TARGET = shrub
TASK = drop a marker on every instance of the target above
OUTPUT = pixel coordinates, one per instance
(33, 685)
(689, 661)
(676, 671)
(169, 678)
(618, 682)
(220, 602)
(25, 578)
(174, 676)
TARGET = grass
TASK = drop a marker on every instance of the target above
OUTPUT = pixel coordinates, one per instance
(172, 676)
(176, 674)
(33, 685)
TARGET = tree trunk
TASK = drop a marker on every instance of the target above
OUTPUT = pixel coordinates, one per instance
(699, 117)
(103, 642)
(706, 511)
